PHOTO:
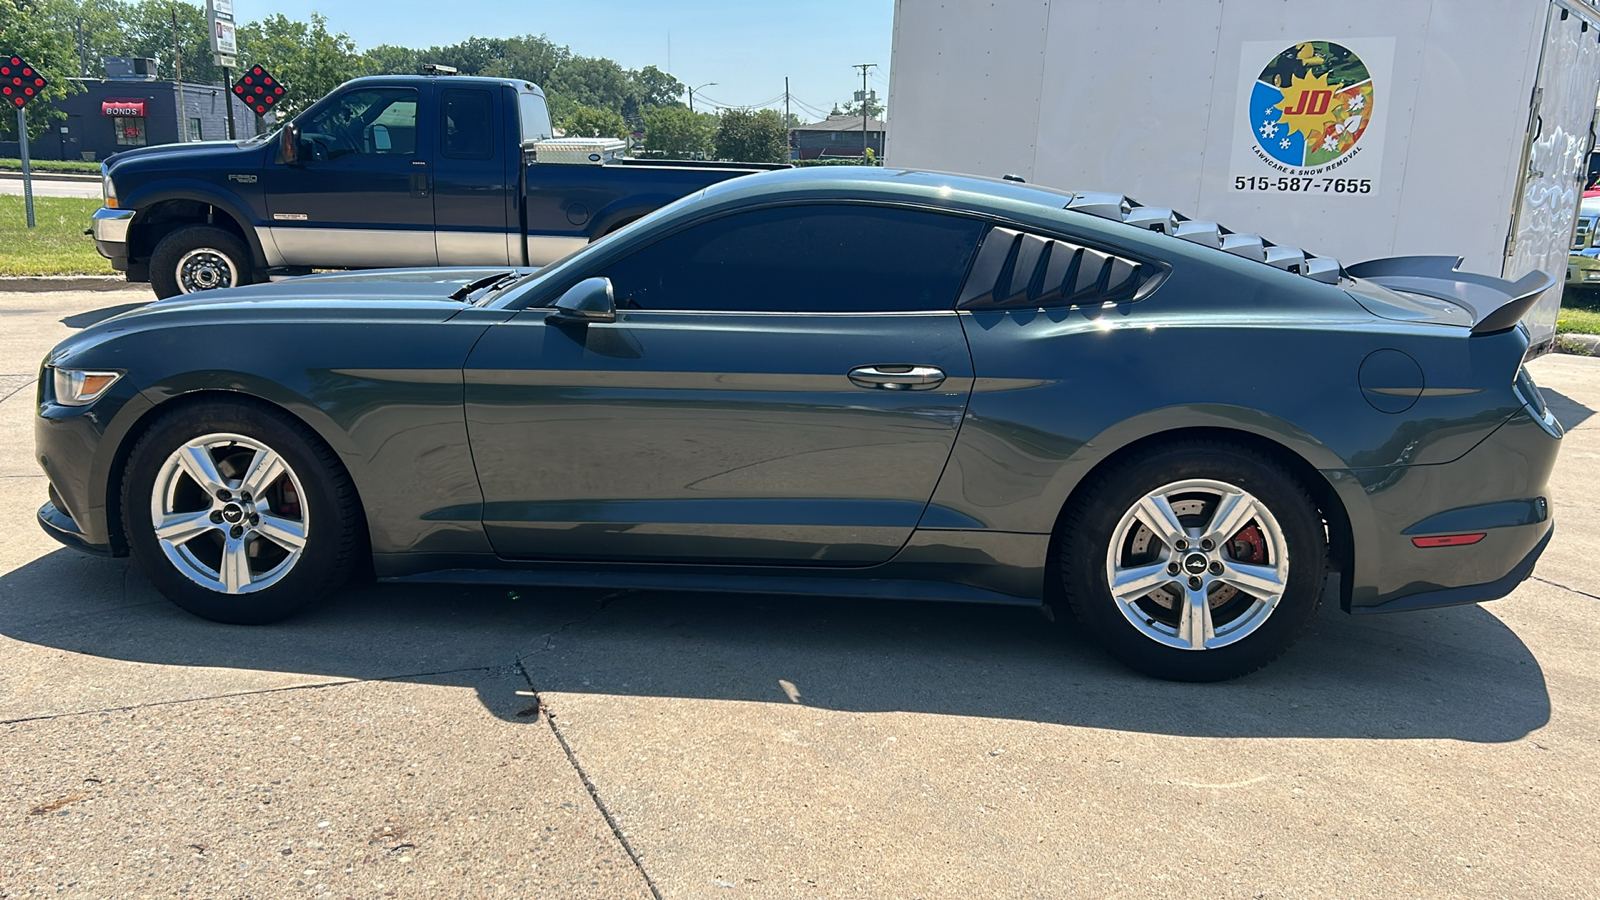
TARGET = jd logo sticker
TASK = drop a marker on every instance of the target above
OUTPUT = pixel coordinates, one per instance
(1311, 104)
(1312, 113)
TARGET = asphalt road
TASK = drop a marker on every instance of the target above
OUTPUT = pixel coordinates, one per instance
(432, 742)
(43, 188)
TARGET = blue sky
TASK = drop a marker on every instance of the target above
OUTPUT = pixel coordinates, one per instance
(746, 47)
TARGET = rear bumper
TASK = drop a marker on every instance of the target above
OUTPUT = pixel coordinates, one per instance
(1499, 489)
(1473, 593)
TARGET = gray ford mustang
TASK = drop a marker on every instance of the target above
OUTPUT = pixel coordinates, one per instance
(863, 383)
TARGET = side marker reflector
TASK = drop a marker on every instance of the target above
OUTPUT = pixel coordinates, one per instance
(1449, 540)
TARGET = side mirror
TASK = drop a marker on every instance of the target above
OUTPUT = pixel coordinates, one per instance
(289, 145)
(588, 301)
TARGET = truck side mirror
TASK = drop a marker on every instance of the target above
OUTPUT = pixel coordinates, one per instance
(289, 145)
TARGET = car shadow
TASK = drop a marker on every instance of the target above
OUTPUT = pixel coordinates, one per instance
(1457, 673)
(96, 316)
(1569, 412)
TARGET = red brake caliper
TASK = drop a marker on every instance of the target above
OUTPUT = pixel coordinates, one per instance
(1249, 545)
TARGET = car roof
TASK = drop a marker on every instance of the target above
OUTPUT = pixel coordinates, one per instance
(947, 189)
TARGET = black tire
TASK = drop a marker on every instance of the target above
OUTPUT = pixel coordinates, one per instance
(332, 521)
(227, 251)
(1083, 547)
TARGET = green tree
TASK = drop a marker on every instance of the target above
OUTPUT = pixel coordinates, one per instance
(656, 88)
(26, 29)
(387, 59)
(306, 57)
(588, 121)
(752, 136)
(677, 133)
(148, 29)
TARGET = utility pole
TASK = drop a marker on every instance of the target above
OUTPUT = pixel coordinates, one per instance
(864, 97)
(177, 65)
(83, 52)
(788, 133)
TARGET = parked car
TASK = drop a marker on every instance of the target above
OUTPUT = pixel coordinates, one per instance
(1583, 264)
(384, 171)
(845, 382)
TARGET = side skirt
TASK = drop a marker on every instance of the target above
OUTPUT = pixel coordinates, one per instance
(954, 566)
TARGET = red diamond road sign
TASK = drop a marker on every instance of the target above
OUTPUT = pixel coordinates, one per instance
(259, 90)
(19, 83)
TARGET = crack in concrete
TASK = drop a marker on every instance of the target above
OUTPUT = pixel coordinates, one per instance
(550, 639)
(588, 785)
(1564, 587)
(277, 690)
(18, 388)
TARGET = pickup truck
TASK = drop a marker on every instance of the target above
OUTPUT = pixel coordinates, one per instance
(384, 171)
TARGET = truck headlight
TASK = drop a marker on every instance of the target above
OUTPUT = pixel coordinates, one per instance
(81, 387)
(108, 190)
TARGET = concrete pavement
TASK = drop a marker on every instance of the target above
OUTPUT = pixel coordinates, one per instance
(563, 743)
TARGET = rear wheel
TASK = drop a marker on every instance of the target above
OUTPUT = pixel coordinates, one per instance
(1195, 562)
(198, 258)
(238, 513)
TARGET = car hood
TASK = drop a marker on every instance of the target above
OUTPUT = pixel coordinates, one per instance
(415, 290)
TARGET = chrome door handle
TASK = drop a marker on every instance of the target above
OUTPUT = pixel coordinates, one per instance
(897, 378)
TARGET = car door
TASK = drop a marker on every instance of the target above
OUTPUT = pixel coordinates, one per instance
(470, 196)
(781, 386)
(361, 193)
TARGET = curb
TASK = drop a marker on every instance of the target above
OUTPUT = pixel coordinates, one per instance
(35, 285)
(16, 175)
(1578, 344)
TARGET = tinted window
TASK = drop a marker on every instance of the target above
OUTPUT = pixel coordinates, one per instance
(535, 117)
(466, 124)
(803, 259)
(365, 121)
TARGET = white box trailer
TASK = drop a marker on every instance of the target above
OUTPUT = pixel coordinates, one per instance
(1357, 129)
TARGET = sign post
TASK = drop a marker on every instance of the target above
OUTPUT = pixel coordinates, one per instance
(19, 83)
(224, 45)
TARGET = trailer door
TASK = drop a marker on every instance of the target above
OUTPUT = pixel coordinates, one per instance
(1556, 159)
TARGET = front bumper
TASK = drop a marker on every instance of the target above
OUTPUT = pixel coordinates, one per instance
(60, 526)
(110, 228)
(1583, 269)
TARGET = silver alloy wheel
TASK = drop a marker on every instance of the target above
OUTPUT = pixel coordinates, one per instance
(206, 269)
(1197, 564)
(229, 513)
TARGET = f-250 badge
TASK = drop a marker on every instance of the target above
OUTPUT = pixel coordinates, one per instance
(243, 179)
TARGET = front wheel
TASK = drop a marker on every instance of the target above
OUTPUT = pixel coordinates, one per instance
(1195, 562)
(238, 513)
(198, 258)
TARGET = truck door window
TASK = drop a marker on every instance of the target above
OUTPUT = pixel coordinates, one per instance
(535, 118)
(466, 124)
(366, 122)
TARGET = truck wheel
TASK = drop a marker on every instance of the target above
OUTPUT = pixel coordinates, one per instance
(198, 258)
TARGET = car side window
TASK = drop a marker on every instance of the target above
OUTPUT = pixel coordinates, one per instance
(466, 124)
(813, 258)
(1019, 270)
(364, 122)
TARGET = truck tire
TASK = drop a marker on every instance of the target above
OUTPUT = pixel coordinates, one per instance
(198, 258)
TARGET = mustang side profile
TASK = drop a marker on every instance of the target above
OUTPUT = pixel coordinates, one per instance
(863, 383)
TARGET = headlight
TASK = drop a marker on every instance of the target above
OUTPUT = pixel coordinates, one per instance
(81, 387)
(108, 190)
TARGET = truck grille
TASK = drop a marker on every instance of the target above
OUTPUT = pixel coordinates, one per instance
(1584, 233)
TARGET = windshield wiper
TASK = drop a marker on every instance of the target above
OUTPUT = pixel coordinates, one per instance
(472, 287)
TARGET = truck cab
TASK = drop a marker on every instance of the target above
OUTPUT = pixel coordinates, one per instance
(384, 171)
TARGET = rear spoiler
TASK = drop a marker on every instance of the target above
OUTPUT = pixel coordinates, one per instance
(1496, 305)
